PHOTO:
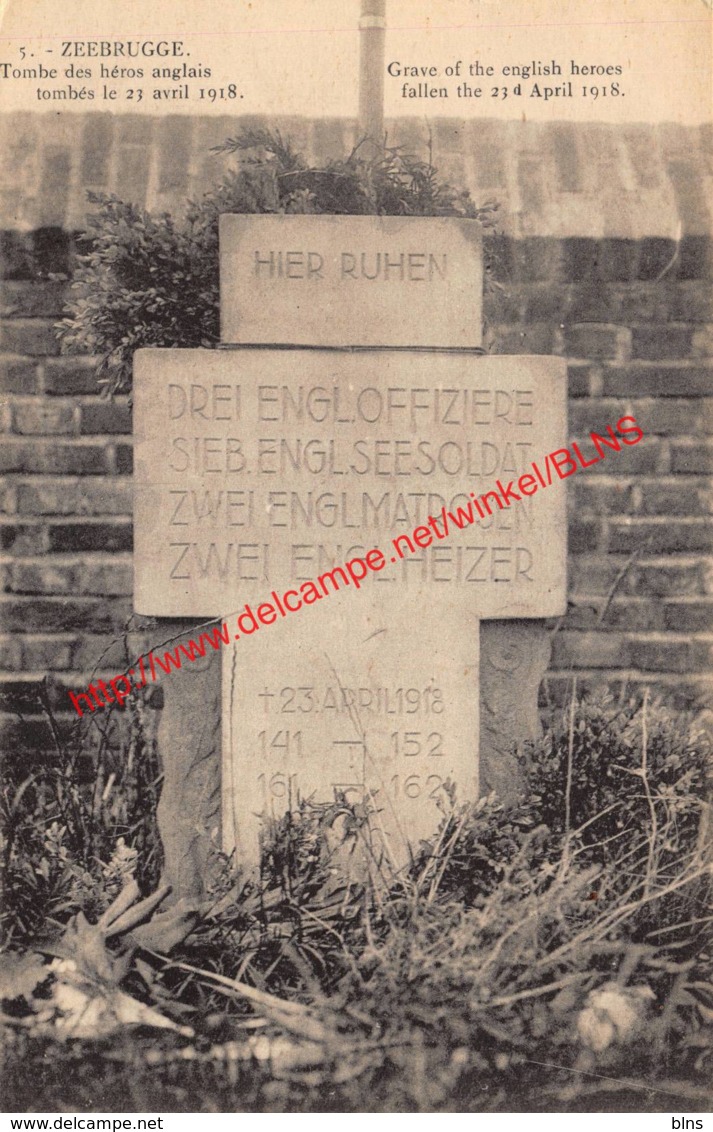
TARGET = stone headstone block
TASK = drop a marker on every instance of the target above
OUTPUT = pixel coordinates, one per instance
(370, 701)
(261, 469)
(351, 281)
(189, 744)
(514, 656)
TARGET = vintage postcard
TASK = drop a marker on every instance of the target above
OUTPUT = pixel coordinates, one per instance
(355, 635)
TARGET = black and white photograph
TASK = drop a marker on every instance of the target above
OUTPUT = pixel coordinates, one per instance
(356, 634)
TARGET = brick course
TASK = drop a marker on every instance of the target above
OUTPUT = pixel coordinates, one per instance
(632, 315)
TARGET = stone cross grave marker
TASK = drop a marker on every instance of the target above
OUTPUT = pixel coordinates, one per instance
(260, 468)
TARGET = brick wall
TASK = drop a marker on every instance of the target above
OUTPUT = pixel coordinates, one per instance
(629, 306)
(640, 533)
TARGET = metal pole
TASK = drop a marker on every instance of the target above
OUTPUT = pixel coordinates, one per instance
(372, 34)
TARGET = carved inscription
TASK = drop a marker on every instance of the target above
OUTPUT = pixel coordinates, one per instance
(331, 723)
(392, 267)
(332, 280)
(258, 469)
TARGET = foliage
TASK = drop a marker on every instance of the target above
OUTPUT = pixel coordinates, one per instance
(518, 937)
(77, 828)
(497, 949)
(146, 281)
(153, 280)
(616, 772)
(611, 759)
